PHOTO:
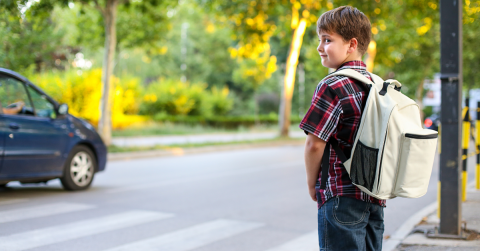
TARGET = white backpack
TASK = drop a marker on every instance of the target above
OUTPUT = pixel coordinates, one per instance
(392, 154)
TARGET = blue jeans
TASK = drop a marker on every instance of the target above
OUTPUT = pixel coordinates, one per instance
(346, 224)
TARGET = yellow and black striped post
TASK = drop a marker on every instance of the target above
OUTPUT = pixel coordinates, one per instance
(477, 149)
(465, 143)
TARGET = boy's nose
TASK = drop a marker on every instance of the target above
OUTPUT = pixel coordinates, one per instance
(320, 48)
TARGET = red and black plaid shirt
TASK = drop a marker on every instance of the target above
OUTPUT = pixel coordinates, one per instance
(336, 110)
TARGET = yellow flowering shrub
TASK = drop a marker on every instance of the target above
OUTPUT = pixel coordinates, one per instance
(176, 98)
(82, 92)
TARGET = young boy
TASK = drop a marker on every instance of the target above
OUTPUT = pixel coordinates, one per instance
(348, 219)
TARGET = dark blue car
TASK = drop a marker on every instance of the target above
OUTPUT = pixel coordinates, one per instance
(40, 141)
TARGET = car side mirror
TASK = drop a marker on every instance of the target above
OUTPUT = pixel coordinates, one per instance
(63, 109)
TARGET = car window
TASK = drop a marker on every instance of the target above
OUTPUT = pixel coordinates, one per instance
(43, 107)
(14, 97)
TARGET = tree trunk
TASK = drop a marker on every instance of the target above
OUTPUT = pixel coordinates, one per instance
(105, 123)
(371, 53)
(419, 98)
(289, 80)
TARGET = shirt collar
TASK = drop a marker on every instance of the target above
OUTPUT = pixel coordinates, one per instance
(356, 64)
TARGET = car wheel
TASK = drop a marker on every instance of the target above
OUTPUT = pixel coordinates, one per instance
(79, 169)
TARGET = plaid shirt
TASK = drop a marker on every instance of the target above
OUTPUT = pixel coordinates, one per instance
(336, 111)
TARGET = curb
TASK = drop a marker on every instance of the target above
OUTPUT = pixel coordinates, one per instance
(178, 151)
(406, 228)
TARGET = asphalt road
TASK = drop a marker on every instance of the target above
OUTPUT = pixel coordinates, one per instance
(235, 200)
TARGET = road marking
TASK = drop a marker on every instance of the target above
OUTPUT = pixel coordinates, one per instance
(70, 231)
(41, 211)
(204, 177)
(307, 242)
(193, 237)
(11, 201)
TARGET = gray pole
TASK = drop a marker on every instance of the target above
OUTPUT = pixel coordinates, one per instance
(451, 77)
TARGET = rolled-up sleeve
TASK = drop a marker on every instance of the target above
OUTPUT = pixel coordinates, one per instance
(324, 113)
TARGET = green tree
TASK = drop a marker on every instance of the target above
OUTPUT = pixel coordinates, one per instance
(256, 22)
(471, 54)
(28, 40)
(147, 13)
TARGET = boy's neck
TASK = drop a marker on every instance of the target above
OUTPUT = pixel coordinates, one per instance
(349, 60)
(351, 57)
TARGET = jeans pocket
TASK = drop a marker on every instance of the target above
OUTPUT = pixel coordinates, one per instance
(349, 211)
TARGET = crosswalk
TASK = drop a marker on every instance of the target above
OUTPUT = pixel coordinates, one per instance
(188, 238)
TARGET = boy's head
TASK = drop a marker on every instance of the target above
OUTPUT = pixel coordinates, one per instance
(344, 35)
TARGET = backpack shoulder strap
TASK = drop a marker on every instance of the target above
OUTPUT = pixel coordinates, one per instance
(365, 83)
(353, 74)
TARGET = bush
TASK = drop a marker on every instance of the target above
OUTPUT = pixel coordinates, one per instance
(170, 97)
(229, 122)
(82, 92)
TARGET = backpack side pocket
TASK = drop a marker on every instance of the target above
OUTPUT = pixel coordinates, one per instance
(417, 153)
(363, 166)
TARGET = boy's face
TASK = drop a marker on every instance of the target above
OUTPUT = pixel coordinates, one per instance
(333, 50)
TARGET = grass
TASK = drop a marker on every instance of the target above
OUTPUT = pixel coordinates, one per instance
(167, 128)
(118, 149)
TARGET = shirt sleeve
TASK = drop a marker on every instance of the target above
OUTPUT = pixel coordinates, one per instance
(324, 113)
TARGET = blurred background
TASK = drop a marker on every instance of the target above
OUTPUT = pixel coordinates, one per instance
(196, 66)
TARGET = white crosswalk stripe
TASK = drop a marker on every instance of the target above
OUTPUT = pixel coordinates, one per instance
(307, 242)
(41, 211)
(11, 201)
(70, 231)
(190, 238)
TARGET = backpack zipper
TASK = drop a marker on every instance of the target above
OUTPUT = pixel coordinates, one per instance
(416, 136)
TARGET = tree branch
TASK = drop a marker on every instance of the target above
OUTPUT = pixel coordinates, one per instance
(99, 8)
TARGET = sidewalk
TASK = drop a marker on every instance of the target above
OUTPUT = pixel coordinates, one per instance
(177, 151)
(198, 139)
(417, 240)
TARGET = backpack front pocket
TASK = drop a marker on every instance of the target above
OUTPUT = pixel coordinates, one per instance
(363, 166)
(417, 153)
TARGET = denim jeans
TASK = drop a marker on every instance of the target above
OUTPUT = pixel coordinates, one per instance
(346, 224)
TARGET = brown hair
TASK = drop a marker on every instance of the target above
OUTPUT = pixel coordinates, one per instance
(349, 23)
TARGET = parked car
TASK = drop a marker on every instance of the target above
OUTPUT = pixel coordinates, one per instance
(40, 140)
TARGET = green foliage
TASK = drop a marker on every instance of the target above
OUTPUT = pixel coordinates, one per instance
(28, 41)
(170, 97)
(471, 54)
(223, 121)
(427, 111)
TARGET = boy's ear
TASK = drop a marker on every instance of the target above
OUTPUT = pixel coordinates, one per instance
(352, 46)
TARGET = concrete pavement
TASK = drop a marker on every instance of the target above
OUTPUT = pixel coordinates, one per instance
(418, 241)
(425, 216)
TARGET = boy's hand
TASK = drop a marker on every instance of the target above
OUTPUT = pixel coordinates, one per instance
(313, 193)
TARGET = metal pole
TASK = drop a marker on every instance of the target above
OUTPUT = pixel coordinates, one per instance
(465, 145)
(451, 77)
(477, 144)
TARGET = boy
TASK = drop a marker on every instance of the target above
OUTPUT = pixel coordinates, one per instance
(348, 219)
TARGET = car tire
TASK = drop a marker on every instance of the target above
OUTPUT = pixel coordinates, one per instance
(79, 169)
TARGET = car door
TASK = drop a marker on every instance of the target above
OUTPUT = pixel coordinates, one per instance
(3, 128)
(36, 140)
